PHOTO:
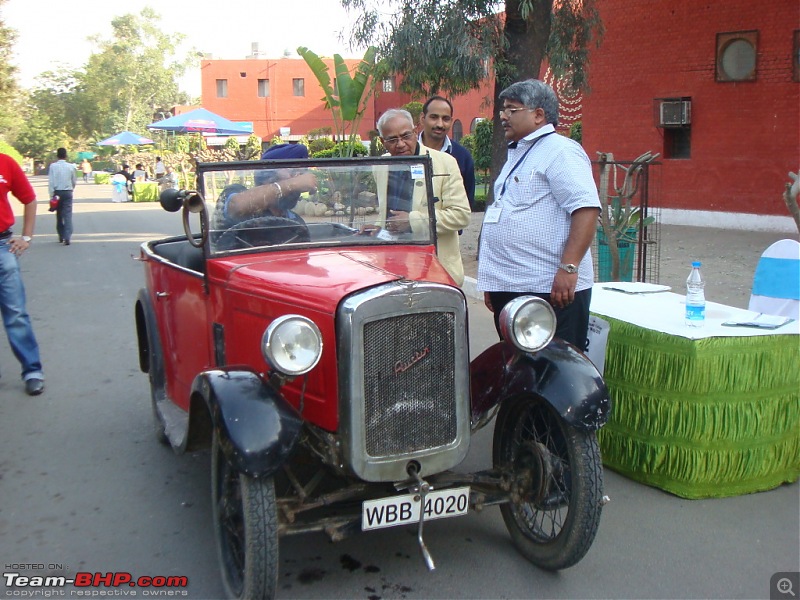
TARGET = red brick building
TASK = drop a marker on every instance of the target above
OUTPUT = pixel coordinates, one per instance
(713, 87)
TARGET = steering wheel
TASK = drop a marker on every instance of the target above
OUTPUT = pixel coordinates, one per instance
(189, 208)
(263, 231)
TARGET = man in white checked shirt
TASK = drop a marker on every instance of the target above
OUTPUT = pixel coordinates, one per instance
(536, 234)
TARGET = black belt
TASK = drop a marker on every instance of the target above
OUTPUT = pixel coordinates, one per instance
(5, 234)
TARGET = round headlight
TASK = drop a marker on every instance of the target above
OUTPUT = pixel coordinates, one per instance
(528, 322)
(292, 345)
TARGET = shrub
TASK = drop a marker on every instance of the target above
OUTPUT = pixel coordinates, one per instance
(576, 132)
(468, 141)
(6, 148)
(319, 144)
(339, 149)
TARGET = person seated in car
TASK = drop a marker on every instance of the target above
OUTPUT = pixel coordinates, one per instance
(275, 194)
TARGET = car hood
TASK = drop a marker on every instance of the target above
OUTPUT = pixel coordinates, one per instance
(319, 279)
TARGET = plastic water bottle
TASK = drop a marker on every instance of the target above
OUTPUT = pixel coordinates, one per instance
(695, 297)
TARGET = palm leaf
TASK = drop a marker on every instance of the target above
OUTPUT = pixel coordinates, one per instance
(320, 70)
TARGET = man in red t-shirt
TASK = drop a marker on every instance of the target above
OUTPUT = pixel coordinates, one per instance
(12, 293)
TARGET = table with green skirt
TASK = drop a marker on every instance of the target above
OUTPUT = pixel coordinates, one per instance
(700, 413)
(145, 191)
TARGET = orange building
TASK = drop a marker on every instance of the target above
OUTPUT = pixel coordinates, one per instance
(276, 95)
(284, 93)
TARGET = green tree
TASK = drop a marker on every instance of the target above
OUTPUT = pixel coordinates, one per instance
(447, 45)
(10, 117)
(38, 138)
(131, 76)
(415, 108)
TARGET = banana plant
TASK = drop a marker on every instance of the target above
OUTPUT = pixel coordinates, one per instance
(347, 100)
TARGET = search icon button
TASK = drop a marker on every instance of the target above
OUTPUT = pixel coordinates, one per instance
(784, 585)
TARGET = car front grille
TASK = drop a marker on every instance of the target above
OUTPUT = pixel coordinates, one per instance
(409, 386)
(403, 365)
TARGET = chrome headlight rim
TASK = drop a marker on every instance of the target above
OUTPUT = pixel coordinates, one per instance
(515, 323)
(270, 344)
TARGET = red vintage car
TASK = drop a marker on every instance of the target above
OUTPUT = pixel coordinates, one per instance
(324, 360)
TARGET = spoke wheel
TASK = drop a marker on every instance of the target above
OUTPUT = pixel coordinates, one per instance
(246, 529)
(263, 231)
(557, 482)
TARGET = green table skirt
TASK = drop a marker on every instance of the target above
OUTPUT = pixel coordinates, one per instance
(145, 192)
(702, 418)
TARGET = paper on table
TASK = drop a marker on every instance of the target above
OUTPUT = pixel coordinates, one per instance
(761, 321)
(635, 287)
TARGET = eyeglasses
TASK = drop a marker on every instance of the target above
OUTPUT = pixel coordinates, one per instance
(393, 141)
(507, 112)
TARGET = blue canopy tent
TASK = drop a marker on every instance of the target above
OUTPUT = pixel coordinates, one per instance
(125, 138)
(201, 120)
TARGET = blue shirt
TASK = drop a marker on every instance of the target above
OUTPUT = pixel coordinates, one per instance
(545, 179)
(61, 176)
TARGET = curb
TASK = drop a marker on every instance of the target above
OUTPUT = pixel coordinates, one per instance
(470, 288)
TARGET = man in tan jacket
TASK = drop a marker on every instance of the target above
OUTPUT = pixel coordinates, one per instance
(396, 128)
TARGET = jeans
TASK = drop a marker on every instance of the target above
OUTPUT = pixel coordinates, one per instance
(64, 215)
(15, 317)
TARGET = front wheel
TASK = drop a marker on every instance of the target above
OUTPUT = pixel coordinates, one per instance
(556, 482)
(246, 529)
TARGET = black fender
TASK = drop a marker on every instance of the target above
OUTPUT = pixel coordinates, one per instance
(559, 373)
(258, 429)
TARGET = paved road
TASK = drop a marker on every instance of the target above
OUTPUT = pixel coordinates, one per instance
(84, 485)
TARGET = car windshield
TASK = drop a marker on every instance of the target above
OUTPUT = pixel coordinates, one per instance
(270, 205)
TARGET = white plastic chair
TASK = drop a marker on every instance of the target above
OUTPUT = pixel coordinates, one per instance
(776, 283)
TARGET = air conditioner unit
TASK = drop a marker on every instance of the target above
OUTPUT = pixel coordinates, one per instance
(675, 113)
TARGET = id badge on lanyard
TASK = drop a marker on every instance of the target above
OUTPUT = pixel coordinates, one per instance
(492, 214)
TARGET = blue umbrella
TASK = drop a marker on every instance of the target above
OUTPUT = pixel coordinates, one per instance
(125, 138)
(203, 121)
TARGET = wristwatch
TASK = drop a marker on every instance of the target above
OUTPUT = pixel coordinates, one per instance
(569, 268)
(27, 238)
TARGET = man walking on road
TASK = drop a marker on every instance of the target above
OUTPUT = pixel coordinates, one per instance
(16, 321)
(61, 180)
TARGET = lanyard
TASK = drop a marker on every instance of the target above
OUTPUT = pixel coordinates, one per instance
(522, 158)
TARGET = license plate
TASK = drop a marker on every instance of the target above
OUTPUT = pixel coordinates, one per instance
(400, 510)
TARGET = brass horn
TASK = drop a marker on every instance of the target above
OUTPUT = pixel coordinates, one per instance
(174, 200)
(194, 202)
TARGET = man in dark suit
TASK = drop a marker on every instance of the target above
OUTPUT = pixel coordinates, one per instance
(436, 120)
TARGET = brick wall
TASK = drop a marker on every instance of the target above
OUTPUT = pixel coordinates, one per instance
(744, 135)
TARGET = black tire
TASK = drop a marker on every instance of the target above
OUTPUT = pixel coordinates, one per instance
(152, 357)
(246, 529)
(558, 482)
(263, 231)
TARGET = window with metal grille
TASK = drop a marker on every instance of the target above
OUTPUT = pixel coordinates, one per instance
(299, 87)
(263, 88)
